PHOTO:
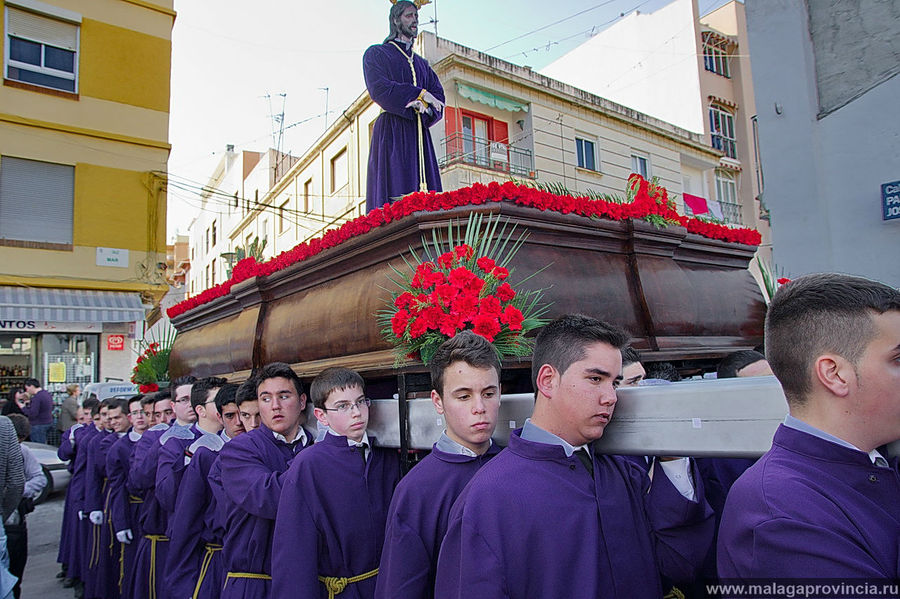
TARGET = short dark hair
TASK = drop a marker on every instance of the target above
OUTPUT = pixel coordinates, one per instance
(729, 365)
(183, 380)
(118, 402)
(92, 404)
(276, 370)
(226, 395)
(246, 392)
(821, 313)
(564, 341)
(148, 400)
(630, 356)
(202, 387)
(13, 392)
(135, 398)
(664, 371)
(31, 383)
(23, 427)
(465, 346)
(333, 379)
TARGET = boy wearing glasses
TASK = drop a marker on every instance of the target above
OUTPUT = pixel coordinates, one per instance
(334, 500)
(465, 379)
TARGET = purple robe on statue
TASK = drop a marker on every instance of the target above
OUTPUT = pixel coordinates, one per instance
(190, 534)
(810, 508)
(533, 523)
(150, 556)
(331, 518)
(123, 505)
(417, 522)
(68, 531)
(394, 148)
(252, 468)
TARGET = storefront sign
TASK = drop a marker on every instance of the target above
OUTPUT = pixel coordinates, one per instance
(43, 326)
(890, 200)
(112, 257)
(115, 342)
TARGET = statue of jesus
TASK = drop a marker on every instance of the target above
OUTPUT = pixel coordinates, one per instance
(401, 155)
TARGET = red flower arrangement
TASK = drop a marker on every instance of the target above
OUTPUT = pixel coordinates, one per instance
(152, 364)
(648, 201)
(458, 289)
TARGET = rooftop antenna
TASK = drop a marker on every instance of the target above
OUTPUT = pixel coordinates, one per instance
(277, 128)
(325, 89)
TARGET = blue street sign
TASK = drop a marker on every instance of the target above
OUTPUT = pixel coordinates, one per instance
(890, 200)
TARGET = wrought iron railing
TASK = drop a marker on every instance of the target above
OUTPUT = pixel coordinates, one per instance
(460, 148)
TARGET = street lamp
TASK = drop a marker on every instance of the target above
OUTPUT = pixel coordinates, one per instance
(229, 257)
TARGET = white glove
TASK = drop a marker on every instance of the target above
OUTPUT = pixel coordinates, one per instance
(124, 536)
(432, 101)
(96, 517)
(417, 105)
(81, 515)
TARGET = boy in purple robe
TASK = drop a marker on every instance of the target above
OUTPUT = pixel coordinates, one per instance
(149, 559)
(465, 378)
(123, 505)
(407, 99)
(823, 501)
(182, 432)
(252, 467)
(94, 502)
(192, 545)
(548, 517)
(68, 554)
(334, 499)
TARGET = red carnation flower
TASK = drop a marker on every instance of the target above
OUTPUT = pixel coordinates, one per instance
(404, 299)
(500, 273)
(486, 326)
(486, 264)
(463, 252)
(446, 293)
(460, 277)
(513, 317)
(399, 322)
(446, 260)
(783, 281)
(417, 328)
(489, 305)
(465, 306)
(149, 388)
(505, 292)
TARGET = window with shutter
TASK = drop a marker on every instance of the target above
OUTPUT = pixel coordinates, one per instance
(41, 50)
(36, 201)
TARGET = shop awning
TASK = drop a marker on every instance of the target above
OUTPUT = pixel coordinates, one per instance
(477, 94)
(69, 305)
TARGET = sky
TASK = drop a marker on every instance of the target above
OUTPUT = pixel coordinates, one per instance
(232, 60)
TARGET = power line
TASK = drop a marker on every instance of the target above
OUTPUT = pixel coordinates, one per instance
(579, 13)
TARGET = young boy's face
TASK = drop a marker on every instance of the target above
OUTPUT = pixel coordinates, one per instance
(346, 413)
(469, 401)
(231, 419)
(280, 406)
(249, 412)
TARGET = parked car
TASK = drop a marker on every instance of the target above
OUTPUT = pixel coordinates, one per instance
(106, 390)
(56, 471)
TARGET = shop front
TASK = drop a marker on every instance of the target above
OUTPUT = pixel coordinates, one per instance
(64, 336)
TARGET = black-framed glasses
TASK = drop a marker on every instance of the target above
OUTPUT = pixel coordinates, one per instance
(346, 406)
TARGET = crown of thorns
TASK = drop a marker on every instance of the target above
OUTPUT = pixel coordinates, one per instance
(419, 3)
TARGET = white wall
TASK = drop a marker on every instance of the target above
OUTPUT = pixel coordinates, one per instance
(822, 177)
(648, 62)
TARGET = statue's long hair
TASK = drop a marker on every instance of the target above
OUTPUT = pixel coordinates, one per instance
(394, 16)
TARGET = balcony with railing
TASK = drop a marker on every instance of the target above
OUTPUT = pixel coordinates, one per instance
(462, 148)
(724, 144)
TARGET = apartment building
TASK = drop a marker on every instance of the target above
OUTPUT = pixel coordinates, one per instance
(84, 114)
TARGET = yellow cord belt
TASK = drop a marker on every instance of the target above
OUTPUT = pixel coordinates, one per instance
(134, 499)
(154, 539)
(423, 186)
(337, 584)
(211, 549)
(121, 565)
(252, 575)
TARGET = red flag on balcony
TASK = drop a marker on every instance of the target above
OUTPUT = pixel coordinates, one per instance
(696, 203)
